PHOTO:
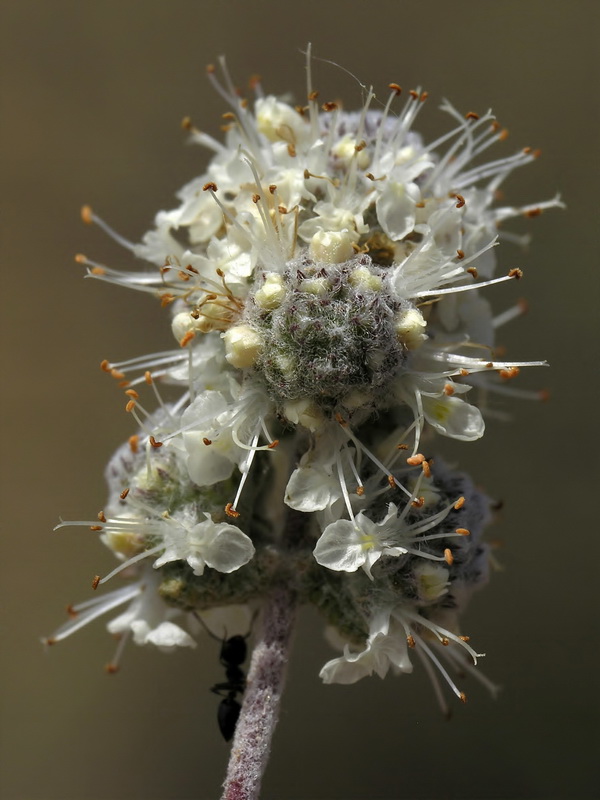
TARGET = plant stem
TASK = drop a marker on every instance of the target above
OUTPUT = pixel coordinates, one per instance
(260, 709)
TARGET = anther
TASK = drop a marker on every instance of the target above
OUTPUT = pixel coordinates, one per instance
(410, 641)
(460, 200)
(80, 258)
(105, 365)
(472, 271)
(395, 88)
(330, 106)
(96, 527)
(464, 372)
(273, 188)
(426, 467)
(463, 531)
(448, 557)
(133, 442)
(118, 376)
(459, 503)
(533, 212)
(360, 146)
(401, 447)
(291, 151)
(230, 511)
(255, 198)
(313, 95)
(445, 641)
(132, 393)
(423, 97)
(413, 94)
(449, 389)
(471, 115)
(71, 612)
(148, 377)
(207, 441)
(130, 406)
(166, 299)
(101, 516)
(460, 254)
(418, 502)
(465, 638)
(391, 481)
(186, 338)
(124, 494)
(415, 461)
(154, 443)
(360, 490)
(111, 669)
(95, 581)
(503, 135)
(210, 69)
(272, 445)
(544, 395)
(463, 697)
(515, 273)
(211, 186)
(507, 374)
(186, 124)
(87, 215)
(340, 419)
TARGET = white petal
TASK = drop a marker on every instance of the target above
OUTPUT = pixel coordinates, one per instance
(311, 489)
(339, 547)
(166, 635)
(396, 209)
(228, 548)
(453, 417)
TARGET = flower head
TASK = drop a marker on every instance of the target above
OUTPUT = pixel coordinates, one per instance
(324, 278)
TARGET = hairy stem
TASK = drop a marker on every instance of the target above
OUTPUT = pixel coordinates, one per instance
(260, 710)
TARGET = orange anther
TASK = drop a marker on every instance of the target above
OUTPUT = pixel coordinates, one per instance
(96, 527)
(449, 389)
(329, 106)
(210, 69)
(413, 94)
(445, 641)
(186, 124)
(101, 516)
(272, 188)
(291, 151)
(154, 443)
(87, 215)
(391, 481)
(111, 669)
(340, 419)
(508, 374)
(402, 447)
(471, 115)
(207, 441)
(130, 406)
(313, 95)
(459, 503)
(211, 186)
(416, 460)
(95, 581)
(148, 377)
(460, 254)
(133, 442)
(463, 697)
(230, 511)
(255, 198)
(464, 372)
(533, 212)
(165, 299)
(515, 273)
(418, 502)
(187, 338)
(424, 96)
(360, 490)
(503, 135)
(448, 557)
(71, 612)
(395, 88)
(272, 445)
(463, 531)
(472, 271)
(544, 395)
(465, 638)
(132, 393)
(80, 258)
(98, 271)
(410, 640)
(118, 376)
(105, 365)
(124, 494)
(426, 467)
(460, 200)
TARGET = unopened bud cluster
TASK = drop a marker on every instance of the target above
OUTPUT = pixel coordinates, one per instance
(323, 277)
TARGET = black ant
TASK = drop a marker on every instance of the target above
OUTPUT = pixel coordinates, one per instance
(233, 654)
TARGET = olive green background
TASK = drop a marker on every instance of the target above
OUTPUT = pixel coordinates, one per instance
(91, 99)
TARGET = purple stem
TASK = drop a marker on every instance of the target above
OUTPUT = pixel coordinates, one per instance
(260, 709)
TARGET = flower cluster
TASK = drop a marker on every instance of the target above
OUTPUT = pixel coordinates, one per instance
(324, 280)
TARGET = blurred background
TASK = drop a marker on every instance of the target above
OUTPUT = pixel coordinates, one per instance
(92, 95)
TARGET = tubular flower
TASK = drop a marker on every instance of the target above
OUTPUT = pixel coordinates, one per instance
(324, 277)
